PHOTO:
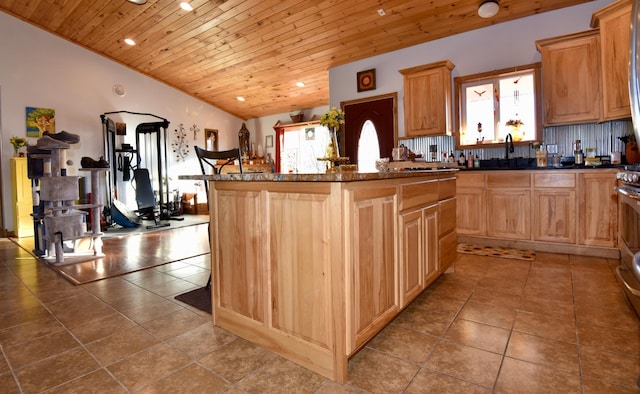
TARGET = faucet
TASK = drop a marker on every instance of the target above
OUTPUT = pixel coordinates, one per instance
(508, 147)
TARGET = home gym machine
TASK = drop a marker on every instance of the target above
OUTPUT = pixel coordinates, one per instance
(148, 161)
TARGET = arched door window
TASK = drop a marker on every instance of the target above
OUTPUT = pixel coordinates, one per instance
(368, 148)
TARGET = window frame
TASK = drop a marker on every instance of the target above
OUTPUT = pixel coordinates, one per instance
(493, 75)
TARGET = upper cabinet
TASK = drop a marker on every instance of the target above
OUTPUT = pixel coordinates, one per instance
(614, 21)
(571, 78)
(427, 99)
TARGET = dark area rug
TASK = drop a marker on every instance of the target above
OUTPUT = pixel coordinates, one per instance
(494, 251)
(198, 298)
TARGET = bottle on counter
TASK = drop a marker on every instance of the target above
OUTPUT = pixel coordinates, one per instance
(451, 158)
(577, 154)
(470, 160)
(476, 162)
(462, 161)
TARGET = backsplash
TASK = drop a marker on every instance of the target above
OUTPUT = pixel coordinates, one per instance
(602, 136)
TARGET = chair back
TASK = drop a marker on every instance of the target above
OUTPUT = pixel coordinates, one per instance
(217, 160)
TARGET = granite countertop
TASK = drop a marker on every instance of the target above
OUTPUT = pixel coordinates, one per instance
(338, 177)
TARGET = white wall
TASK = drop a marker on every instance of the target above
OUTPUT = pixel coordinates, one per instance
(38, 69)
(500, 46)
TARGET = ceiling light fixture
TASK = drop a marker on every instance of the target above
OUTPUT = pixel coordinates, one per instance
(240, 98)
(129, 41)
(186, 6)
(138, 2)
(300, 84)
(488, 9)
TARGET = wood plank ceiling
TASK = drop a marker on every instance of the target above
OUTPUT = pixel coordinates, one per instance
(257, 49)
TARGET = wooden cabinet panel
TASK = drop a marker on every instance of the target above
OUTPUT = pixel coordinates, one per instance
(471, 211)
(240, 284)
(571, 78)
(613, 22)
(554, 179)
(373, 239)
(300, 294)
(418, 194)
(431, 256)
(508, 179)
(508, 213)
(411, 256)
(21, 199)
(598, 209)
(427, 99)
(555, 217)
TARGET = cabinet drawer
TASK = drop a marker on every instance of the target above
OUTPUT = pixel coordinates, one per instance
(554, 179)
(446, 188)
(447, 216)
(418, 194)
(467, 179)
(508, 180)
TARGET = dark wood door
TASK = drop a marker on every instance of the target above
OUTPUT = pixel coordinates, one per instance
(382, 112)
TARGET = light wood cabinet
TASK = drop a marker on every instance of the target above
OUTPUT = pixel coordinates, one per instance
(613, 21)
(562, 211)
(597, 209)
(471, 203)
(428, 99)
(571, 78)
(21, 200)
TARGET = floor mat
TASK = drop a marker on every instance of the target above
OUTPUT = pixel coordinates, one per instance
(198, 298)
(495, 251)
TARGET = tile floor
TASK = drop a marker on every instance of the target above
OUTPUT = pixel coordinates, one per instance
(559, 324)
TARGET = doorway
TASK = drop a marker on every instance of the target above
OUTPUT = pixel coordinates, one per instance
(382, 112)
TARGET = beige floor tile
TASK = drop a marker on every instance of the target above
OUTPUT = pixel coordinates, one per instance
(555, 258)
(201, 340)
(73, 317)
(433, 323)
(281, 376)
(497, 316)
(546, 326)
(434, 302)
(621, 319)
(465, 363)
(96, 382)
(148, 366)
(478, 335)
(121, 344)
(520, 376)
(543, 306)
(404, 343)
(151, 311)
(561, 356)
(377, 372)
(495, 298)
(22, 316)
(451, 287)
(8, 384)
(56, 370)
(29, 331)
(330, 387)
(175, 323)
(432, 382)
(610, 367)
(101, 327)
(593, 386)
(237, 359)
(29, 352)
(191, 379)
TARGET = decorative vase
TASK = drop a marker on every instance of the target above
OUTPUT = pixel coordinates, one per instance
(16, 152)
(333, 150)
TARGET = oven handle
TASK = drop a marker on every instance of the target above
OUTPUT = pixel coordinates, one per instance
(632, 290)
(625, 192)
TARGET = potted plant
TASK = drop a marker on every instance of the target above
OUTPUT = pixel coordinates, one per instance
(17, 142)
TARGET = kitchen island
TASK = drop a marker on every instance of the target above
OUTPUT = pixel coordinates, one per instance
(312, 266)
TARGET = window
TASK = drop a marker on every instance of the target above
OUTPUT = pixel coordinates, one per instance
(368, 148)
(495, 104)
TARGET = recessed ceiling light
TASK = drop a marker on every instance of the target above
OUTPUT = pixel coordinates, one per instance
(129, 41)
(138, 2)
(300, 84)
(186, 6)
(381, 12)
(240, 98)
(488, 9)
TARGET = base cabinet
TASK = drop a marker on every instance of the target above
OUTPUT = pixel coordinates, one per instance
(21, 199)
(563, 211)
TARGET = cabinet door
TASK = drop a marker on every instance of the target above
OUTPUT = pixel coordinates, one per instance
(614, 43)
(21, 198)
(508, 213)
(427, 100)
(598, 209)
(555, 215)
(411, 256)
(471, 211)
(431, 255)
(571, 78)
(373, 237)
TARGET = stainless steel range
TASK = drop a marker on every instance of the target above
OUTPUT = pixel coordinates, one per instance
(629, 199)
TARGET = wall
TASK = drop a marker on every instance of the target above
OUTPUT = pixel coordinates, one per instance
(38, 69)
(495, 47)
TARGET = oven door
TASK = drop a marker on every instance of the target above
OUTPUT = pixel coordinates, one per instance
(628, 272)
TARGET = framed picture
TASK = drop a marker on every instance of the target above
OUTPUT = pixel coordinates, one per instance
(310, 133)
(40, 120)
(211, 139)
(366, 80)
(268, 141)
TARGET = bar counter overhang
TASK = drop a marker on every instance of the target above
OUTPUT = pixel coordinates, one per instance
(312, 266)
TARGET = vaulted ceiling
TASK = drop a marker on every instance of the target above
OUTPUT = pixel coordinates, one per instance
(257, 49)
